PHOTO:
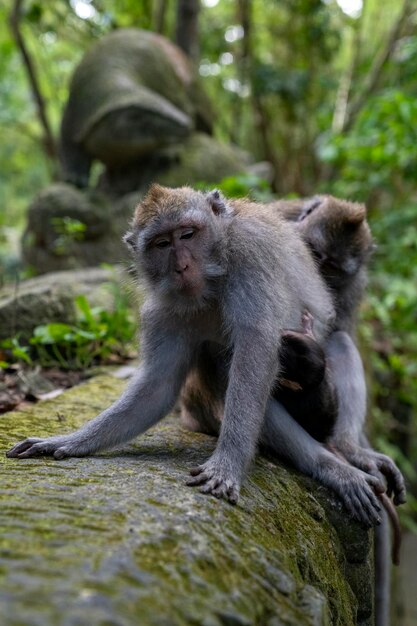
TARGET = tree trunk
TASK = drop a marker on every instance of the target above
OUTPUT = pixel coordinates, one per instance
(160, 16)
(186, 35)
(246, 63)
(48, 142)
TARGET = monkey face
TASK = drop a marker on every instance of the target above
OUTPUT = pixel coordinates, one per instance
(338, 235)
(176, 257)
(176, 242)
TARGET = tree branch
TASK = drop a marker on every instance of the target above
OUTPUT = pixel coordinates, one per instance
(48, 141)
(376, 70)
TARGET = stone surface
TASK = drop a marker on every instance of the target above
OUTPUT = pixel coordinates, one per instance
(203, 159)
(48, 244)
(50, 298)
(200, 158)
(119, 539)
(133, 92)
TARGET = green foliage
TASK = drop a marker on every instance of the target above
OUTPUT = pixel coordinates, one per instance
(390, 330)
(19, 352)
(243, 185)
(380, 152)
(99, 335)
(69, 231)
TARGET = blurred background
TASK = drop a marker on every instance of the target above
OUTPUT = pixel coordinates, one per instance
(275, 99)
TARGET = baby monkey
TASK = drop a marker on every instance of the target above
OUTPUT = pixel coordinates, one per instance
(337, 233)
(306, 390)
(304, 386)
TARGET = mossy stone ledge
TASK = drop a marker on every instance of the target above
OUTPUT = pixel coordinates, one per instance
(119, 539)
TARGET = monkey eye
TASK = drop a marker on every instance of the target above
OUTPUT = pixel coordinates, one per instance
(188, 234)
(162, 243)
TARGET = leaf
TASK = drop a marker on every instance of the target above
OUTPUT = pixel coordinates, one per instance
(83, 305)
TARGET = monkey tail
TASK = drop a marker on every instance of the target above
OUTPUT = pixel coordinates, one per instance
(396, 528)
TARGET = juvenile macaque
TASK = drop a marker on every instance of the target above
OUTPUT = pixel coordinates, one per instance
(228, 286)
(306, 390)
(339, 236)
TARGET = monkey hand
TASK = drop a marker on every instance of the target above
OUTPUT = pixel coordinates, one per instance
(357, 490)
(378, 465)
(59, 447)
(216, 476)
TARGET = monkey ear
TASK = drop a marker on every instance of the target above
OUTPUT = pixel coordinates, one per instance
(356, 214)
(309, 206)
(130, 240)
(218, 203)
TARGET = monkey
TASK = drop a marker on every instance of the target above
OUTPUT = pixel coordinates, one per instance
(305, 389)
(339, 236)
(231, 286)
(304, 386)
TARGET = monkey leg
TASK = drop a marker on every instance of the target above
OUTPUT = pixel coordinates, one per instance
(348, 378)
(201, 411)
(357, 489)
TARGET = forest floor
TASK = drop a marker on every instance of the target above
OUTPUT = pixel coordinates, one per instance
(18, 384)
(21, 385)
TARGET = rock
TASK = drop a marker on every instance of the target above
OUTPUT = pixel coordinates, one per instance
(133, 92)
(120, 539)
(68, 229)
(50, 298)
(203, 159)
(200, 158)
(263, 170)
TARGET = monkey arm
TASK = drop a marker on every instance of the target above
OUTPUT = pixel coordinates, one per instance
(348, 376)
(252, 371)
(288, 440)
(149, 396)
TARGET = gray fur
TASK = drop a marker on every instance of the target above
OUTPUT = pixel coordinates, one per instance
(248, 297)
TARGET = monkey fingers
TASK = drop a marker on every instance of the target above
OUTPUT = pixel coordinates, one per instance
(355, 488)
(377, 464)
(215, 480)
(22, 447)
(58, 447)
(395, 480)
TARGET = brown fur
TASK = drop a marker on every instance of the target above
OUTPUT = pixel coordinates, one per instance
(345, 210)
(160, 202)
(339, 236)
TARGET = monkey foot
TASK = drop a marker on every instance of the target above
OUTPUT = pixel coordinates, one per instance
(58, 447)
(357, 490)
(378, 465)
(215, 479)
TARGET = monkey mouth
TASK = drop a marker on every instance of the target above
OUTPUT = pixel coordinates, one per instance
(189, 287)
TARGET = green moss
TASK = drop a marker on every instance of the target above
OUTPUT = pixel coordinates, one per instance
(120, 539)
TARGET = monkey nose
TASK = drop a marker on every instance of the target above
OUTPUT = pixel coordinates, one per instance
(181, 268)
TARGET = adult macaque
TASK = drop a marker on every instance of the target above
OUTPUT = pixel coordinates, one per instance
(230, 285)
